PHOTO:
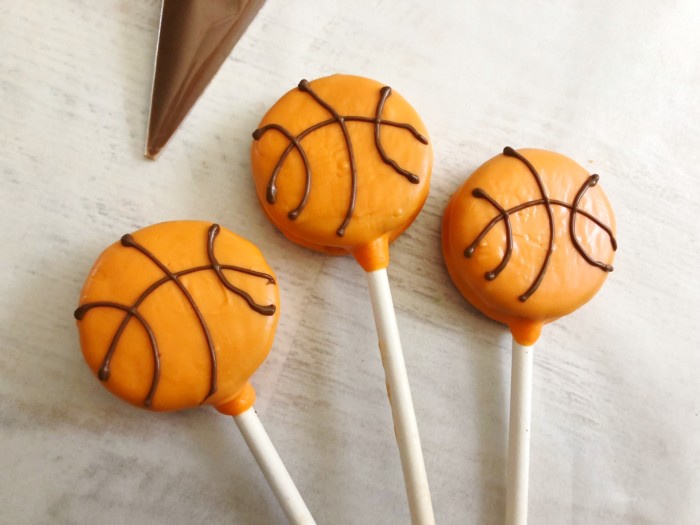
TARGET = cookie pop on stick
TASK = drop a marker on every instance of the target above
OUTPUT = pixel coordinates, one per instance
(180, 314)
(528, 238)
(342, 165)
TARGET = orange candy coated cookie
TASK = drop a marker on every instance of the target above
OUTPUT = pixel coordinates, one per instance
(342, 165)
(528, 238)
(177, 315)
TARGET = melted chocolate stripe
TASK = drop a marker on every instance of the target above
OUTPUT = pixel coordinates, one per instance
(306, 88)
(491, 275)
(592, 181)
(384, 94)
(548, 203)
(383, 122)
(261, 309)
(295, 143)
(104, 371)
(258, 133)
(132, 312)
(129, 241)
(271, 186)
(266, 276)
(555, 202)
(510, 152)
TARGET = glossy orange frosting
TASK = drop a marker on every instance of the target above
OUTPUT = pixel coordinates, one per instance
(342, 165)
(179, 314)
(530, 284)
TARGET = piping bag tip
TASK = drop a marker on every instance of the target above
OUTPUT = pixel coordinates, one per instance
(194, 40)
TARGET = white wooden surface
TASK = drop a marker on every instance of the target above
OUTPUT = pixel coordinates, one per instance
(616, 395)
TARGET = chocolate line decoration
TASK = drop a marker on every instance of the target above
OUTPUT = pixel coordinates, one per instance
(133, 313)
(340, 120)
(504, 215)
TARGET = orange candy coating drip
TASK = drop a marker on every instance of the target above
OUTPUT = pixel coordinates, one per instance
(177, 315)
(497, 231)
(342, 165)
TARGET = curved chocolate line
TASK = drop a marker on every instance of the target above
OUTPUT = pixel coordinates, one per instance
(261, 309)
(491, 275)
(393, 124)
(103, 372)
(510, 152)
(546, 201)
(556, 202)
(271, 186)
(304, 87)
(295, 142)
(127, 240)
(592, 181)
(385, 93)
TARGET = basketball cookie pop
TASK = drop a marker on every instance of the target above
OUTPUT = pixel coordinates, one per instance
(528, 238)
(342, 165)
(180, 314)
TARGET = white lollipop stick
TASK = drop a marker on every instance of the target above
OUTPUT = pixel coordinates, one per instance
(272, 467)
(405, 426)
(519, 435)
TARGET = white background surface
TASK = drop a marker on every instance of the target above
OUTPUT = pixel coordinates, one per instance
(616, 424)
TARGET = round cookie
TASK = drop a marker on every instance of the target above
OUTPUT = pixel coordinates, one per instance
(342, 165)
(179, 314)
(528, 238)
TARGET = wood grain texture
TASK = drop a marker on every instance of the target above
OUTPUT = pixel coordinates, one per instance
(616, 396)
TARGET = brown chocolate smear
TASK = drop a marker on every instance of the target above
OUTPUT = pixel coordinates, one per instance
(195, 37)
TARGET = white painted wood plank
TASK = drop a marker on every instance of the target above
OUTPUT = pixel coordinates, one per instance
(616, 399)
